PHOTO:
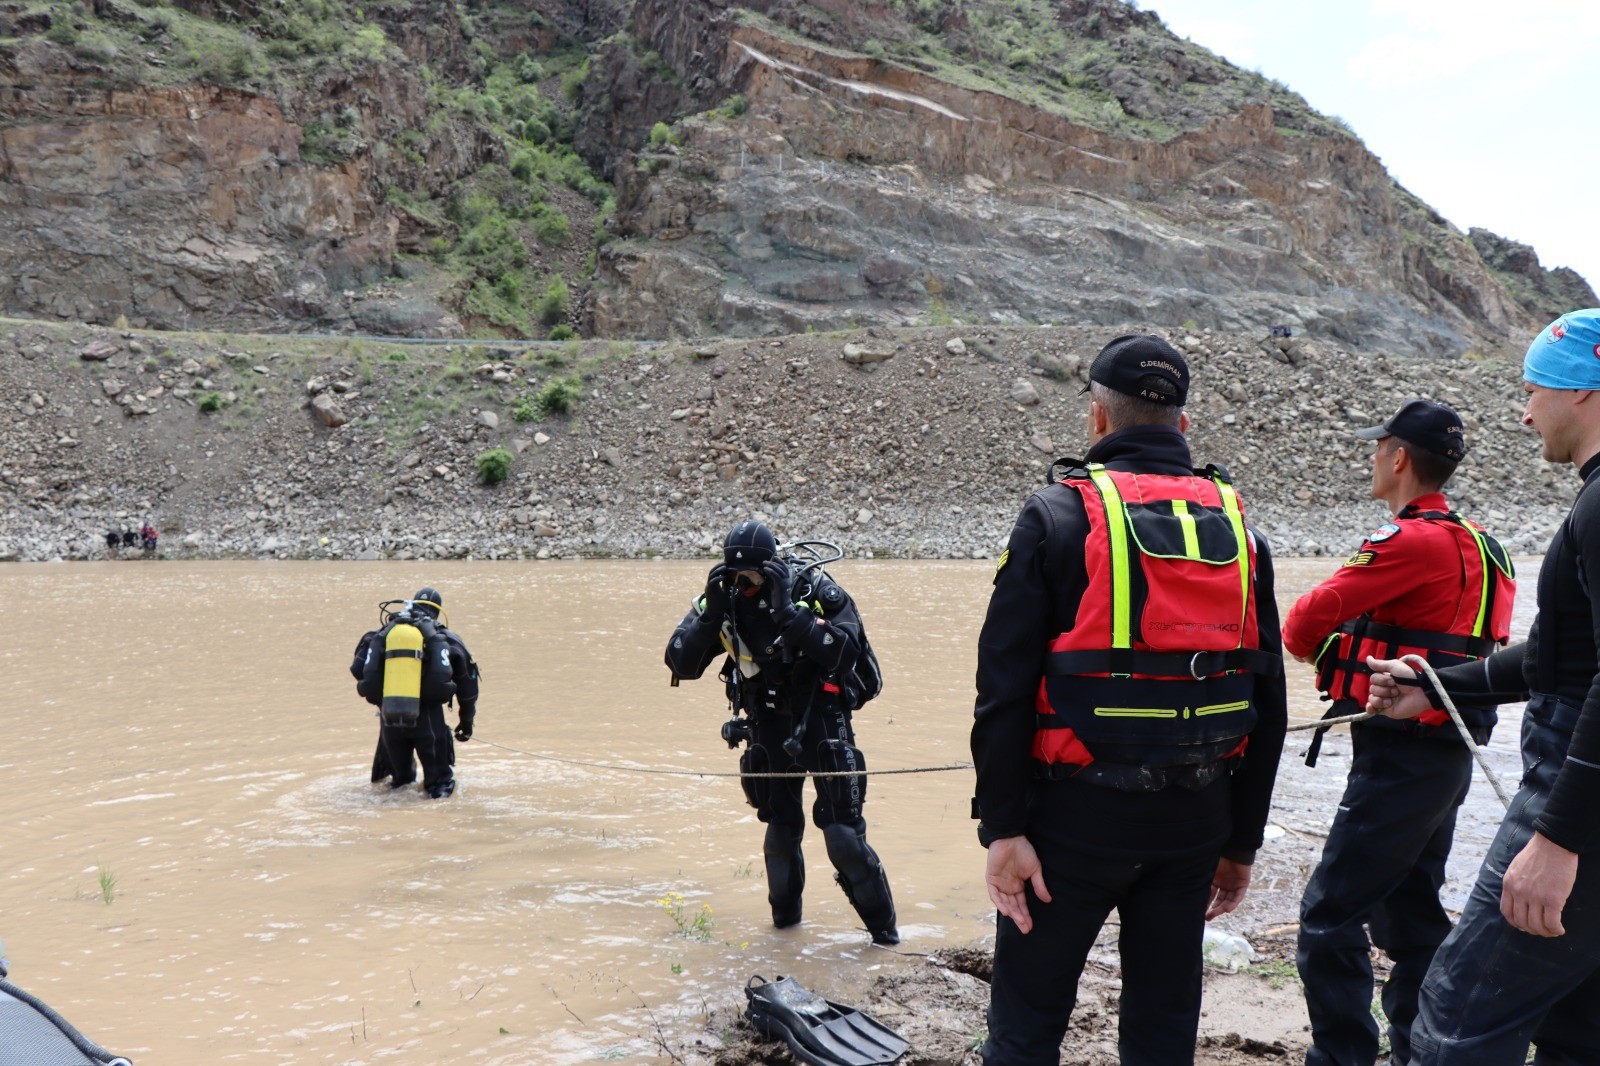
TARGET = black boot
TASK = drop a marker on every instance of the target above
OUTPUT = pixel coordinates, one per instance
(786, 872)
(865, 884)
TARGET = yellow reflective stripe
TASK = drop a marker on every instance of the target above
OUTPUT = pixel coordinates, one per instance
(1117, 533)
(1483, 593)
(1333, 638)
(1222, 708)
(1230, 504)
(1135, 712)
(1191, 536)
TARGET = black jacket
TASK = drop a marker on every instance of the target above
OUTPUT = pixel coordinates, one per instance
(821, 641)
(366, 666)
(1037, 589)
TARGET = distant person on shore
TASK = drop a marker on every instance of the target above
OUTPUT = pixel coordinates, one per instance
(1523, 963)
(1429, 583)
(797, 665)
(413, 665)
(1129, 720)
(113, 538)
(148, 538)
(129, 538)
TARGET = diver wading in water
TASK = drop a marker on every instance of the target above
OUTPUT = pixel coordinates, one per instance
(798, 663)
(409, 668)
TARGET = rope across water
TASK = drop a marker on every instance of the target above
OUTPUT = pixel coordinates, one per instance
(1414, 660)
(721, 773)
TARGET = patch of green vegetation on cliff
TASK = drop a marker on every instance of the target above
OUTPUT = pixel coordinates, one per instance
(1097, 63)
(155, 43)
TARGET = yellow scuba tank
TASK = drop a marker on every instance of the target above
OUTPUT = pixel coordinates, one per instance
(402, 674)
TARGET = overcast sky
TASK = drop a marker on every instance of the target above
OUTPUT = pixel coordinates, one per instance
(1490, 112)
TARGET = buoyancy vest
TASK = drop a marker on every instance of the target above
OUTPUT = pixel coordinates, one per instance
(1159, 666)
(414, 664)
(1481, 622)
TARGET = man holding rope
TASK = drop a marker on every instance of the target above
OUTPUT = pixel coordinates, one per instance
(1523, 964)
(1129, 720)
(1430, 583)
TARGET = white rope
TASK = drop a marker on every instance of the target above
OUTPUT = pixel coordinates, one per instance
(1418, 662)
(721, 773)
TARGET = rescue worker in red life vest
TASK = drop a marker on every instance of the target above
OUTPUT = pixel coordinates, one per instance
(797, 665)
(1129, 720)
(1428, 583)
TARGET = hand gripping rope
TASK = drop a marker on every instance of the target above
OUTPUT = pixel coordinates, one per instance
(1422, 665)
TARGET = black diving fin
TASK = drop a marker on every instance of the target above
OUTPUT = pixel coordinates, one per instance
(817, 1030)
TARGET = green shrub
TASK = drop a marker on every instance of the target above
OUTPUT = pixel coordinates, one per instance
(736, 105)
(212, 401)
(661, 134)
(62, 32)
(522, 166)
(535, 131)
(572, 80)
(528, 68)
(494, 466)
(562, 332)
(554, 301)
(561, 395)
(524, 410)
(552, 227)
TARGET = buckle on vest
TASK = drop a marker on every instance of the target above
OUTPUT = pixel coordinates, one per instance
(1193, 662)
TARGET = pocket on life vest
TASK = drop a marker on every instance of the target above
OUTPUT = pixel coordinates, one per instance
(1194, 579)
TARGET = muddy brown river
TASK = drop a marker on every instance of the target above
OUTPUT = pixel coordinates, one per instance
(196, 869)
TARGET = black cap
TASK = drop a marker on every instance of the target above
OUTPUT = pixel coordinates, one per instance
(428, 600)
(1142, 366)
(1433, 427)
(748, 545)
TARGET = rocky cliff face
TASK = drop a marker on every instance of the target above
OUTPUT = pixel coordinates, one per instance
(193, 203)
(1545, 294)
(856, 189)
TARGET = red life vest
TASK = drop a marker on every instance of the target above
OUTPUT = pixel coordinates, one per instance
(1482, 621)
(1158, 669)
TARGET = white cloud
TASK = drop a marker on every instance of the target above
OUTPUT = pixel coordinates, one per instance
(1235, 41)
(1434, 40)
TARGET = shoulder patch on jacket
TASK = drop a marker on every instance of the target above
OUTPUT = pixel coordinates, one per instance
(1000, 564)
(1361, 558)
(1384, 532)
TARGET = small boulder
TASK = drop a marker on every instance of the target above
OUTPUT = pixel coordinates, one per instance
(98, 351)
(1024, 393)
(861, 354)
(326, 410)
(488, 419)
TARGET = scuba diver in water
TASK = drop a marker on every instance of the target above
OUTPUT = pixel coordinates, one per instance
(410, 668)
(798, 663)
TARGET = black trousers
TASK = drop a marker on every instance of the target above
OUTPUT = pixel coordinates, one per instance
(433, 744)
(785, 800)
(1492, 988)
(1035, 984)
(1382, 869)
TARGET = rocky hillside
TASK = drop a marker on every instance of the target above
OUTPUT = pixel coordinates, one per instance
(913, 443)
(450, 167)
(1016, 161)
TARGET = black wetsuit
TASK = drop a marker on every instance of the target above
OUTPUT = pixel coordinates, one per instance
(430, 739)
(799, 701)
(1493, 988)
(1151, 854)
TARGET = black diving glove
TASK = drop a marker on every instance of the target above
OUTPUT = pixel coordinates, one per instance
(464, 729)
(780, 590)
(716, 596)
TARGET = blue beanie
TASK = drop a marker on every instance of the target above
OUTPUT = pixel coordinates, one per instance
(1566, 353)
